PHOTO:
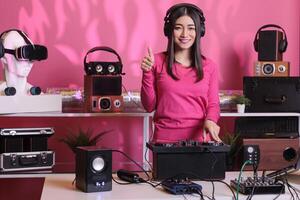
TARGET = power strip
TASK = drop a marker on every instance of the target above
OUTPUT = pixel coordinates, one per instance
(181, 187)
(261, 185)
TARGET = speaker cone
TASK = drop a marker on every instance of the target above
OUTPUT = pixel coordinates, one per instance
(98, 164)
(268, 69)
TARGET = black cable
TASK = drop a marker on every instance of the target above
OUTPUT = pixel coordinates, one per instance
(290, 186)
(213, 190)
(124, 154)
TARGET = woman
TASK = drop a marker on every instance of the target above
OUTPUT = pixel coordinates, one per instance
(181, 85)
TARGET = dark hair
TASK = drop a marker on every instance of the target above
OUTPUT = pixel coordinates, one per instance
(196, 51)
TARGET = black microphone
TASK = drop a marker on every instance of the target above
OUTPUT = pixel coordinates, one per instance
(128, 176)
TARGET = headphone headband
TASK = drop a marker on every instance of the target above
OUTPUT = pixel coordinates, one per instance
(271, 26)
(170, 11)
(102, 48)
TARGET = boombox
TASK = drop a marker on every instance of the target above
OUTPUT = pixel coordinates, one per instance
(100, 67)
(272, 94)
(270, 68)
(104, 104)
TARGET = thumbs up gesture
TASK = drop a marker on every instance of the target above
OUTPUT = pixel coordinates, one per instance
(148, 61)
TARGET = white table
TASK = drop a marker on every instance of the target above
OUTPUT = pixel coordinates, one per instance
(59, 186)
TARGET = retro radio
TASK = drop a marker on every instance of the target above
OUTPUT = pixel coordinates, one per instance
(104, 104)
(270, 68)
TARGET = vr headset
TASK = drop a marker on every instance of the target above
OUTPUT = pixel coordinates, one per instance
(29, 52)
(100, 67)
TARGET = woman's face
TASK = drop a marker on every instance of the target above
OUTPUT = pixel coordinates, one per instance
(184, 32)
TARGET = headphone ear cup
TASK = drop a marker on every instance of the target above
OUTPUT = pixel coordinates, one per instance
(282, 46)
(1, 49)
(202, 29)
(255, 44)
(167, 29)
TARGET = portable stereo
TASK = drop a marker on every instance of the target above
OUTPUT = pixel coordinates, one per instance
(270, 68)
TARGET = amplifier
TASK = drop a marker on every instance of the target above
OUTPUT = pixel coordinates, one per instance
(267, 127)
(189, 159)
(18, 161)
(24, 139)
(275, 153)
(272, 94)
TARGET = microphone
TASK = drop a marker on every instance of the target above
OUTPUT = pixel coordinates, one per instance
(128, 176)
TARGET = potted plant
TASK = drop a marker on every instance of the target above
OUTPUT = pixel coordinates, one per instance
(82, 138)
(241, 101)
(232, 140)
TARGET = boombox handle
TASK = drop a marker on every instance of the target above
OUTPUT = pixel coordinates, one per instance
(276, 100)
(103, 48)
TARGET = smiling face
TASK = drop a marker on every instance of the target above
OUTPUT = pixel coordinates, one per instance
(184, 33)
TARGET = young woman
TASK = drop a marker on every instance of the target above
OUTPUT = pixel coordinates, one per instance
(181, 85)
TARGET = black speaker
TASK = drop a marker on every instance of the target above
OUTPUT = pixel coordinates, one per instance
(270, 44)
(93, 169)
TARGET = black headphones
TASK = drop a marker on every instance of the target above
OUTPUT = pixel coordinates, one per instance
(24, 36)
(103, 68)
(282, 46)
(168, 26)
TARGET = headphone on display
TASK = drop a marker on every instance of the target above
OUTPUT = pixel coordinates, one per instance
(100, 67)
(170, 11)
(283, 43)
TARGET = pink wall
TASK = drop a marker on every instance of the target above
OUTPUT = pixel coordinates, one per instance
(69, 28)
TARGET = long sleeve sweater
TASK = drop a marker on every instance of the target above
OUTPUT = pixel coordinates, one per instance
(181, 106)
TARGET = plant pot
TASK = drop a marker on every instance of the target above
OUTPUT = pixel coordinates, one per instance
(240, 108)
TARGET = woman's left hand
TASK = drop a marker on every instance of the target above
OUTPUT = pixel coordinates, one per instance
(213, 129)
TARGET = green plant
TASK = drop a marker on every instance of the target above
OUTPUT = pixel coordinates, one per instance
(232, 140)
(82, 138)
(241, 99)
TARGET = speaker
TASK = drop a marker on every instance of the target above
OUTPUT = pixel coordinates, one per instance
(93, 169)
(270, 44)
(275, 153)
(104, 104)
(98, 85)
(102, 67)
(272, 68)
(170, 12)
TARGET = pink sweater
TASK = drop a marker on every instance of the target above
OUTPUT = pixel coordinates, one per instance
(181, 106)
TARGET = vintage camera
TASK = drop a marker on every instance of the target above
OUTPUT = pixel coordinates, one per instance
(270, 68)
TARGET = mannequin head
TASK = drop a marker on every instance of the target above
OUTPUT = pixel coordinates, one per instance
(12, 66)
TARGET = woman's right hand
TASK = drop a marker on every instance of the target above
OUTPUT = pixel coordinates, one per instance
(148, 61)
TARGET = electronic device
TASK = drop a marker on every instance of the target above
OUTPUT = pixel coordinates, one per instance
(29, 52)
(272, 94)
(259, 185)
(181, 186)
(270, 44)
(168, 23)
(272, 68)
(274, 153)
(14, 140)
(252, 154)
(98, 85)
(35, 90)
(101, 67)
(267, 127)
(93, 169)
(189, 159)
(128, 176)
(23, 161)
(104, 104)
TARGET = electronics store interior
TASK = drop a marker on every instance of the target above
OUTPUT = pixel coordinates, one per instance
(190, 100)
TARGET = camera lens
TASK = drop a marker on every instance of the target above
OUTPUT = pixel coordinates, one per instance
(105, 103)
(268, 69)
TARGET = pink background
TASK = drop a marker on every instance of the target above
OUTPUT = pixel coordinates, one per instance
(69, 28)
